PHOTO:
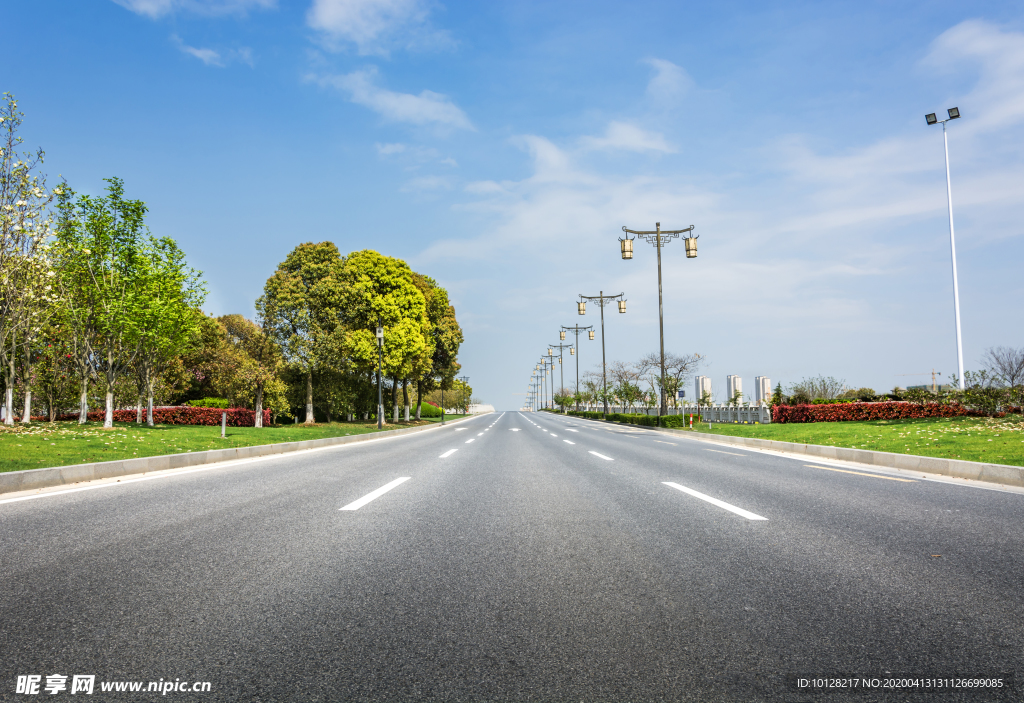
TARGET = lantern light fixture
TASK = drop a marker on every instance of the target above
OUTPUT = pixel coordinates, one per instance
(581, 307)
(572, 351)
(622, 306)
(691, 247)
(591, 335)
(550, 352)
(561, 335)
(627, 248)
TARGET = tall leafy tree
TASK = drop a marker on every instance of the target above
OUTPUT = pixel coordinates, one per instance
(25, 272)
(166, 318)
(376, 287)
(300, 309)
(259, 374)
(446, 338)
(100, 241)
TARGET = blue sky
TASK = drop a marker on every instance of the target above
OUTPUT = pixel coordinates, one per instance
(500, 147)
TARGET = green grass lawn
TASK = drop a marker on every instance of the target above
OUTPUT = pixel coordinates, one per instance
(44, 444)
(993, 440)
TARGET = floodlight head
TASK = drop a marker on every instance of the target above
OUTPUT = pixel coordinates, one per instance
(954, 113)
(930, 118)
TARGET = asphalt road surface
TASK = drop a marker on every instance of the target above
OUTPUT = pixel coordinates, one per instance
(518, 557)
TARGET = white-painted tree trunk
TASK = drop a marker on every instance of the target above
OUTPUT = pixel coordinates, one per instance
(309, 399)
(83, 403)
(108, 418)
(9, 406)
(27, 415)
(259, 408)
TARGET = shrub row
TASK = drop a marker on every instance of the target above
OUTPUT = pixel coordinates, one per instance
(182, 415)
(846, 412)
(633, 419)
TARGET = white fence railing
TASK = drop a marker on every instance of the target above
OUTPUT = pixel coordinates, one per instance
(746, 413)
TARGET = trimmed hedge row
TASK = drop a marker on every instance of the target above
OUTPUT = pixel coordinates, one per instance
(847, 412)
(182, 415)
(634, 419)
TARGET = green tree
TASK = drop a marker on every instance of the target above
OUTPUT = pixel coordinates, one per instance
(167, 318)
(100, 241)
(301, 306)
(381, 288)
(258, 375)
(25, 272)
(442, 365)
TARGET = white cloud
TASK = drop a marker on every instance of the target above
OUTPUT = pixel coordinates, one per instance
(669, 82)
(627, 137)
(159, 8)
(388, 149)
(998, 97)
(449, 161)
(374, 25)
(426, 184)
(427, 108)
(212, 57)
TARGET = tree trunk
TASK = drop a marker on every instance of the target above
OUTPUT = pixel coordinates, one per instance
(149, 398)
(9, 406)
(405, 398)
(83, 403)
(108, 417)
(309, 398)
(419, 399)
(259, 407)
(138, 411)
(394, 397)
(27, 416)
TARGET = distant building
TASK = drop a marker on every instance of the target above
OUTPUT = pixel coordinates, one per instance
(703, 385)
(762, 389)
(733, 385)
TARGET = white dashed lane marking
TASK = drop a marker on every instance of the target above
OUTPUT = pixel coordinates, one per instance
(714, 501)
(373, 495)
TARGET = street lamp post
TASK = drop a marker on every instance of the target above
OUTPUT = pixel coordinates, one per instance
(561, 370)
(576, 329)
(551, 380)
(953, 114)
(581, 308)
(660, 238)
(380, 364)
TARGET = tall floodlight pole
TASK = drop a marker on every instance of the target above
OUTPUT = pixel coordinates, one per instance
(581, 308)
(576, 329)
(380, 364)
(659, 239)
(954, 113)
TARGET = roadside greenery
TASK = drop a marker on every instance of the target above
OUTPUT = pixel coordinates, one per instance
(95, 310)
(42, 445)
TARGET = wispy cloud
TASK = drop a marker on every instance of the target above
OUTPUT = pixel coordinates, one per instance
(627, 137)
(212, 57)
(374, 26)
(669, 81)
(159, 8)
(427, 184)
(427, 108)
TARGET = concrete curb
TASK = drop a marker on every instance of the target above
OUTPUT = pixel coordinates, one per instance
(33, 479)
(958, 468)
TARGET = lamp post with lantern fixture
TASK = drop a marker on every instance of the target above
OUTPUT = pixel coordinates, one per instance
(660, 238)
(561, 371)
(576, 329)
(581, 308)
(953, 114)
(550, 356)
(380, 364)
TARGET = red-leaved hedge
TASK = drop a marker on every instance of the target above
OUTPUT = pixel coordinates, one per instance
(845, 412)
(182, 415)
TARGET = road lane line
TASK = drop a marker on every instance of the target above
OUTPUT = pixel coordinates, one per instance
(480, 435)
(373, 495)
(660, 442)
(470, 440)
(554, 435)
(602, 456)
(460, 429)
(514, 429)
(859, 473)
(568, 430)
(447, 453)
(714, 501)
(568, 442)
(721, 452)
